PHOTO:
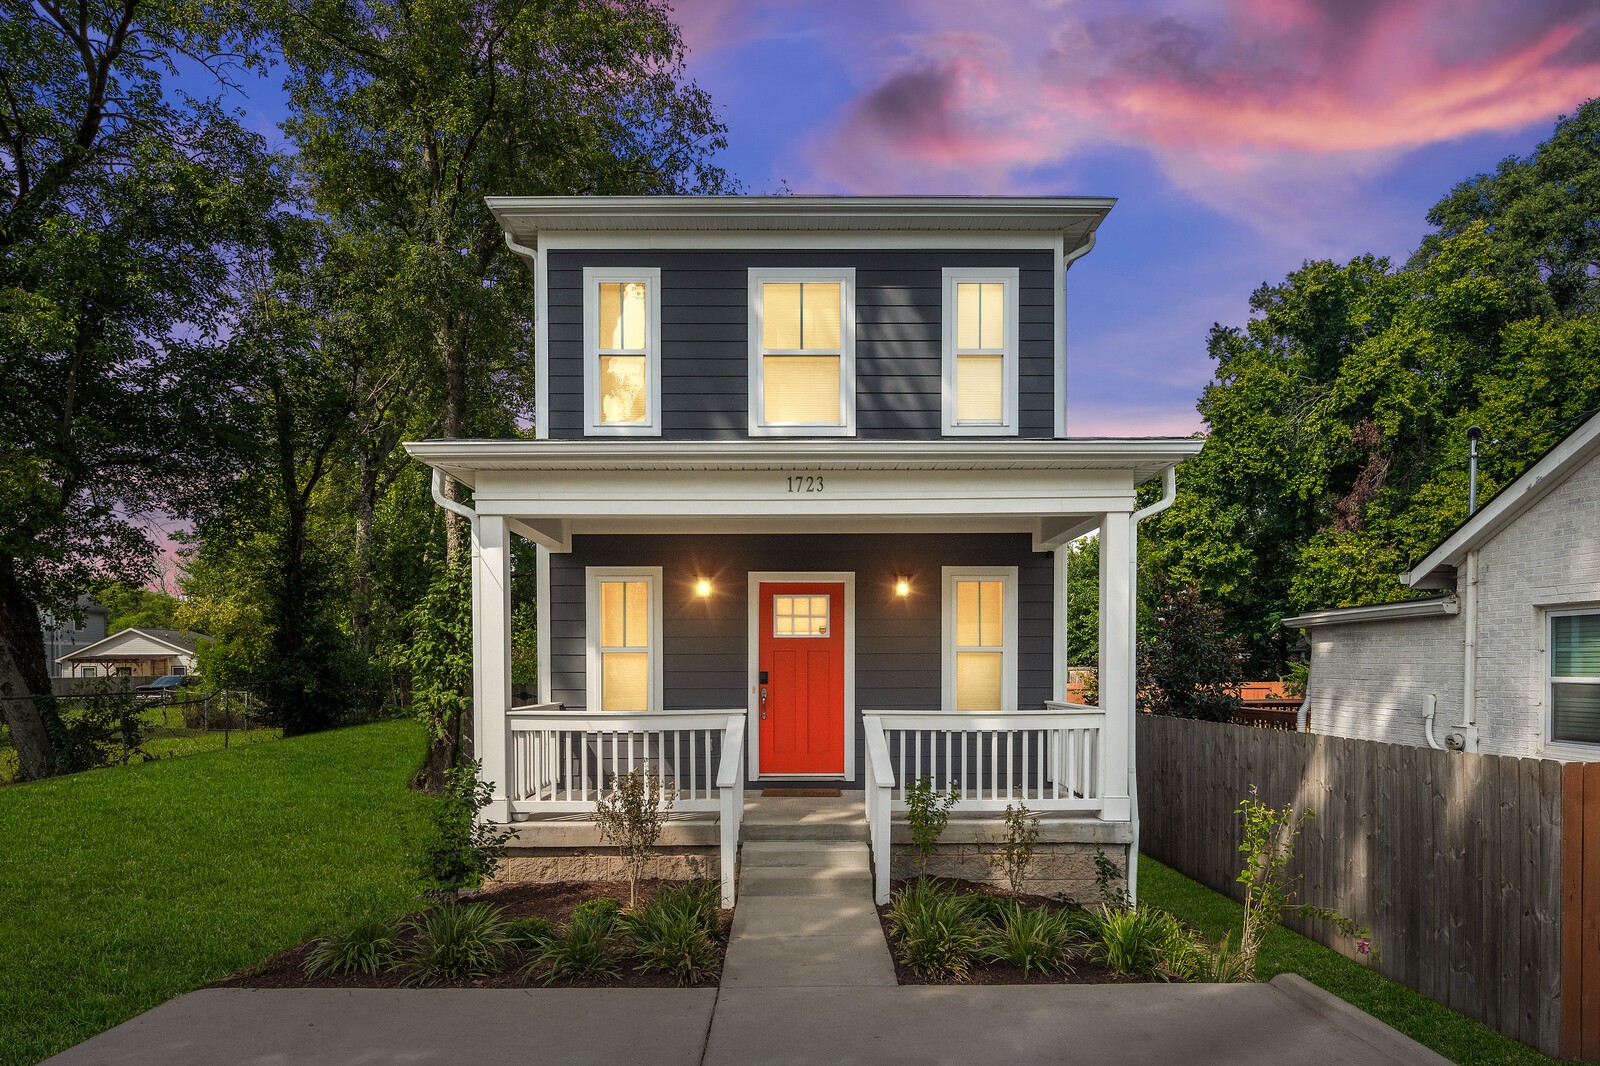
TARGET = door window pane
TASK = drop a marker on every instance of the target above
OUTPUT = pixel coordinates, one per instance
(800, 616)
(801, 388)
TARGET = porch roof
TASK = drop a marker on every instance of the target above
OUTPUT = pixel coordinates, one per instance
(1135, 458)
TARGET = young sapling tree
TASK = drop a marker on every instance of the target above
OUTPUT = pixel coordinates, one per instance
(631, 818)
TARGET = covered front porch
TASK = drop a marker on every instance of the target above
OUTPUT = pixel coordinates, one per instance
(925, 583)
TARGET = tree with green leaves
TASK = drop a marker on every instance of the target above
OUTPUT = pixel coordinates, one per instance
(123, 209)
(1337, 416)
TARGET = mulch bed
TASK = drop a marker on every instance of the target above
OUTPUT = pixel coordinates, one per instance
(554, 902)
(985, 972)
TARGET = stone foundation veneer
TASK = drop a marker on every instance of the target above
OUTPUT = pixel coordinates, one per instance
(588, 864)
(1057, 868)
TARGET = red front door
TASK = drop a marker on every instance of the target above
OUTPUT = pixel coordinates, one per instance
(800, 689)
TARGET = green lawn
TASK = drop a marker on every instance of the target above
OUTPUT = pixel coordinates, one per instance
(165, 737)
(1452, 1035)
(122, 888)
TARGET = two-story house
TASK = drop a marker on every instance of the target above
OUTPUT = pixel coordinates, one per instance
(801, 489)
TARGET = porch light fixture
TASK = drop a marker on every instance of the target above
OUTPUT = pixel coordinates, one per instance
(902, 586)
(702, 588)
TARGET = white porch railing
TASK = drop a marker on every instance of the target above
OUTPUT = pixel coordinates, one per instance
(1047, 759)
(560, 763)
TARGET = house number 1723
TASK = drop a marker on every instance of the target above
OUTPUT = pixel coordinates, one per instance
(805, 483)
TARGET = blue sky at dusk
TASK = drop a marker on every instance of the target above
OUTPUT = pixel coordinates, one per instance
(1240, 136)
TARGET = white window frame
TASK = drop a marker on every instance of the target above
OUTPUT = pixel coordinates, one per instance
(1010, 277)
(845, 278)
(593, 276)
(947, 642)
(593, 576)
(1550, 681)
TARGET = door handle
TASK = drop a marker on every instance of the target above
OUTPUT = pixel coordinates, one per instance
(763, 703)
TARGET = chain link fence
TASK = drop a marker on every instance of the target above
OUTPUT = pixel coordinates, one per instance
(115, 727)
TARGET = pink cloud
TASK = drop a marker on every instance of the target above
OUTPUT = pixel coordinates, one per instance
(1256, 97)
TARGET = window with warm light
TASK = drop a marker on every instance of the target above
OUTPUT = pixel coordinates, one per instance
(624, 638)
(622, 370)
(980, 622)
(802, 352)
(980, 351)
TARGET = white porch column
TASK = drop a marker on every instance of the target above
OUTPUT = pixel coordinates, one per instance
(1117, 651)
(491, 656)
(1060, 662)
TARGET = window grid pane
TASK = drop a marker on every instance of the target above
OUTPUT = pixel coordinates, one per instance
(979, 388)
(780, 316)
(800, 616)
(801, 388)
(980, 614)
(625, 681)
(978, 680)
(623, 307)
(980, 316)
(624, 614)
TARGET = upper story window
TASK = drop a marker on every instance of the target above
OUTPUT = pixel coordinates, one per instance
(1575, 677)
(802, 352)
(622, 351)
(980, 638)
(980, 351)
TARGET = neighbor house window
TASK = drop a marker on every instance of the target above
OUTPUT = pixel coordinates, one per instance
(624, 610)
(802, 352)
(622, 351)
(1575, 677)
(86, 671)
(980, 351)
(980, 638)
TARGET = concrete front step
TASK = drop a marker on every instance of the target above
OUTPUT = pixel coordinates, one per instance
(805, 854)
(803, 881)
(825, 831)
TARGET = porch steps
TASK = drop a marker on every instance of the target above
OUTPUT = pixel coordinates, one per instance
(804, 868)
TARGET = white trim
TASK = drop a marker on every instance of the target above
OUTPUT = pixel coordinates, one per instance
(592, 577)
(541, 346)
(541, 612)
(845, 278)
(1569, 748)
(1010, 279)
(1058, 387)
(1433, 605)
(949, 575)
(1509, 504)
(120, 634)
(1059, 663)
(593, 276)
(754, 580)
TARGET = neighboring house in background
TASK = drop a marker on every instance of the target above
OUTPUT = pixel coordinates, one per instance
(802, 495)
(136, 652)
(1507, 656)
(70, 635)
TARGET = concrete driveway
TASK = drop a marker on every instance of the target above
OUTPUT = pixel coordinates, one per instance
(1286, 1021)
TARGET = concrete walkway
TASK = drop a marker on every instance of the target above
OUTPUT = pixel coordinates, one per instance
(808, 979)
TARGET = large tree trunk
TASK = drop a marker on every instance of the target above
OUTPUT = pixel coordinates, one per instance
(454, 364)
(26, 701)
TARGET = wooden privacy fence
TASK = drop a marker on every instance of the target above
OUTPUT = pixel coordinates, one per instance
(1479, 874)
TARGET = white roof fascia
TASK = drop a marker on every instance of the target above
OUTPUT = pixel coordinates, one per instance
(462, 459)
(119, 635)
(1507, 506)
(1434, 605)
(525, 217)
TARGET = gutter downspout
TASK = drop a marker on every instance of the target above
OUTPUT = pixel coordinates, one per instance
(1079, 252)
(1466, 739)
(528, 254)
(1430, 704)
(453, 507)
(1169, 492)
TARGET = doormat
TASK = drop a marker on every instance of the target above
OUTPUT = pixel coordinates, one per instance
(790, 793)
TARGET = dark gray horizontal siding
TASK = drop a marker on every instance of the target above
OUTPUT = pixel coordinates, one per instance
(898, 642)
(704, 337)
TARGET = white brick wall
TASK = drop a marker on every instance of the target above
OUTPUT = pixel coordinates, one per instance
(1368, 678)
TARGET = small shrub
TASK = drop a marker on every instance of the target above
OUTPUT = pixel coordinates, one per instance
(927, 814)
(989, 908)
(529, 934)
(1033, 938)
(1224, 965)
(1107, 875)
(456, 942)
(701, 898)
(586, 950)
(366, 945)
(670, 936)
(599, 912)
(1131, 942)
(463, 852)
(937, 932)
(1016, 850)
(631, 817)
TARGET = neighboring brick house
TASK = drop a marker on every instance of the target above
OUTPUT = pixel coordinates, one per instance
(1508, 654)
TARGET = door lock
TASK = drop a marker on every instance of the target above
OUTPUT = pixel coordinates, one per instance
(763, 703)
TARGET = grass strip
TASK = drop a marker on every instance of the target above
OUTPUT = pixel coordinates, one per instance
(1455, 1036)
(124, 887)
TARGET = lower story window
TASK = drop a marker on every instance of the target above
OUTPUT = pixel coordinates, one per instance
(980, 623)
(624, 611)
(1575, 677)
